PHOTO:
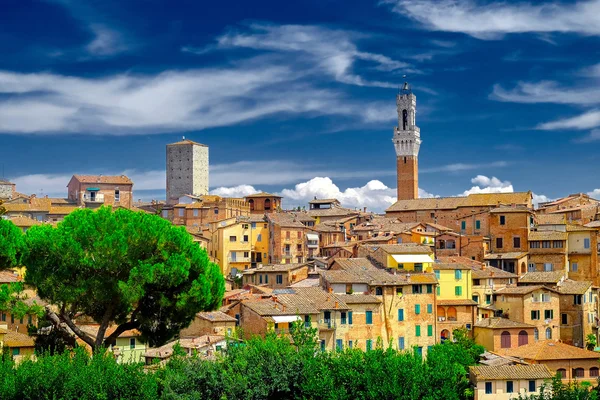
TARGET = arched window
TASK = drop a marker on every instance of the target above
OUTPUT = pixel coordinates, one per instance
(523, 268)
(536, 334)
(548, 333)
(404, 119)
(267, 204)
(441, 313)
(523, 338)
(445, 335)
(594, 372)
(578, 373)
(505, 340)
(251, 202)
(476, 298)
(563, 372)
(451, 314)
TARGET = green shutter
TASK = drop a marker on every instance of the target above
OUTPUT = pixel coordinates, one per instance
(400, 314)
(349, 317)
(429, 308)
(429, 288)
(369, 317)
(532, 314)
(417, 309)
(478, 224)
(418, 330)
(457, 274)
(437, 290)
(369, 344)
(463, 224)
(429, 330)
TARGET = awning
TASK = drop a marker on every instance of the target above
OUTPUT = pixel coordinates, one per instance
(93, 189)
(312, 236)
(412, 258)
(286, 318)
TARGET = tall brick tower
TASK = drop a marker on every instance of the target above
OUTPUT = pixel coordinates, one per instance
(407, 140)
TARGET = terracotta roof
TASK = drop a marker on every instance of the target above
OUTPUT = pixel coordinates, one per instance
(321, 299)
(273, 268)
(439, 227)
(461, 260)
(542, 277)
(359, 298)
(62, 210)
(326, 228)
(579, 228)
(547, 235)
(215, 316)
(116, 179)
(505, 210)
(491, 272)
(550, 219)
(308, 282)
(361, 270)
(268, 307)
(186, 141)
(197, 343)
(17, 339)
(8, 277)
(262, 194)
(551, 350)
(403, 248)
(569, 286)
(23, 222)
(501, 323)
(5, 182)
(335, 211)
(445, 266)
(505, 256)
(323, 201)
(593, 224)
(459, 302)
(472, 200)
(286, 220)
(511, 372)
(522, 290)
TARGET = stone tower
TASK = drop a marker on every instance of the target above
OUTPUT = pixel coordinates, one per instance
(187, 170)
(407, 140)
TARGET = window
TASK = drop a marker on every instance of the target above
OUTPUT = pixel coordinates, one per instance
(477, 224)
(429, 288)
(299, 248)
(562, 372)
(418, 330)
(237, 319)
(259, 237)
(488, 299)
(488, 388)
(322, 344)
(548, 314)
(181, 210)
(401, 343)
(417, 289)
(502, 220)
(437, 274)
(563, 319)
(577, 299)
(279, 279)
(165, 214)
(399, 291)
(594, 372)
(378, 291)
(245, 238)
(232, 238)
(546, 297)
(586, 243)
(246, 254)
(499, 243)
(463, 225)
(458, 274)
(349, 344)
(349, 317)
(369, 344)
(420, 351)
(536, 334)
(307, 321)
(369, 317)
(266, 278)
(535, 244)
(557, 244)
(476, 298)
(253, 225)
(418, 267)
(505, 340)
(12, 319)
(195, 212)
(429, 308)
(548, 267)
(339, 344)
(548, 333)
(16, 351)
(400, 314)
(531, 267)
(260, 278)
(132, 343)
(523, 338)
(437, 290)
(509, 387)
(535, 314)
(458, 290)
(117, 195)
(417, 309)
(532, 386)
(574, 267)
(3, 317)
(430, 330)
(287, 234)
(545, 244)
(578, 373)
(343, 318)
(516, 242)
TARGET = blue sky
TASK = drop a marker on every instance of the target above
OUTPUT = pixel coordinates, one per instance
(299, 97)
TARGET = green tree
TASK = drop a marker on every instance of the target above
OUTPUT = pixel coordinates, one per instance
(590, 341)
(2, 209)
(12, 244)
(133, 269)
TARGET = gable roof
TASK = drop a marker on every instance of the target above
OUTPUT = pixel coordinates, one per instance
(522, 290)
(569, 286)
(511, 372)
(185, 141)
(551, 350)
(111, 179)
(216, 316)
(547, 235)
(261, 194)
(403, 248)
(542, 277)
(501, 323)
(472, 200)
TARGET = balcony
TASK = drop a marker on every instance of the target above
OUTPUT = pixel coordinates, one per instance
(286, 254)
(326, 325)
(98, 198)
(239, 259)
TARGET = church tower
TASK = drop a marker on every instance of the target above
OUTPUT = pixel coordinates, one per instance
(407, 140)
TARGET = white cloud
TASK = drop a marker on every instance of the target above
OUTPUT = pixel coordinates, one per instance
(540, 198)
(495, 19)
(587, 120)
(173, 100)
(332, 51)
(593, 136)
(457, 167)
(485, 184)
(236, 191)
(107, 42)
(547, 92)
(595, 193)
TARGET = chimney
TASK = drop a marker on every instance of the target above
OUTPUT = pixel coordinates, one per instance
(336, 304)
(283, 307)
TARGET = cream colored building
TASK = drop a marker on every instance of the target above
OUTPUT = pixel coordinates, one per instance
(507, 381)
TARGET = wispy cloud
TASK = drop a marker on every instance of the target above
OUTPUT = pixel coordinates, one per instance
(496, 19)
(547, 92)
(587, 120)
(458, 167)
(107, 42)
(593, 136)
(330, 50)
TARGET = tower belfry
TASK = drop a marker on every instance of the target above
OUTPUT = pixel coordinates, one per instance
(407, 140)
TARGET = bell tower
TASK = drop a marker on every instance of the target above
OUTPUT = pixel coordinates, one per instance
(407, 140)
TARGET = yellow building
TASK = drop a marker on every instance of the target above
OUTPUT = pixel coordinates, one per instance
(230, 244)
(404, 256)
(455, 305)
(259, 239)
(129, 348)
(19, 345)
